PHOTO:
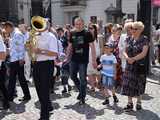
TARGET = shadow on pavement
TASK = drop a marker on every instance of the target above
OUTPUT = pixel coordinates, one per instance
(117, 109)
(55, 96)
(144, 115)
(55, 105)
(96, 94)
(14, 108)
(86, 109)
(4, 113)
(155, 74)
(147, 97)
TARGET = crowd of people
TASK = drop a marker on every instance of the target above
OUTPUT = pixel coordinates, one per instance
(115, 58)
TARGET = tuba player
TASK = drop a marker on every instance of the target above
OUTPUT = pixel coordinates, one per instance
(46, 52)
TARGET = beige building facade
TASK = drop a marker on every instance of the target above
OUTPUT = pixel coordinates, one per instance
(63, 11)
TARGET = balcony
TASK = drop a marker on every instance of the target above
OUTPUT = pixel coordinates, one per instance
(73, 3)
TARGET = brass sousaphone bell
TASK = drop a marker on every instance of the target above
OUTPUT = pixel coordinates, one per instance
(39, 24)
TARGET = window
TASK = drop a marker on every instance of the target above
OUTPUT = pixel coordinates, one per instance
(119, 4)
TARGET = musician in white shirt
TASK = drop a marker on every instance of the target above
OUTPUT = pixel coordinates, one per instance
(46, 52)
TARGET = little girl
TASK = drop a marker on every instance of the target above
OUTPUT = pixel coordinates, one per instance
(108, 71)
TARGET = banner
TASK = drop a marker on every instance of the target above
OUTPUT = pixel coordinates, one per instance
(156, 2)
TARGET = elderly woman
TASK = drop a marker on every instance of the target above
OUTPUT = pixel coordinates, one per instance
(134, 77)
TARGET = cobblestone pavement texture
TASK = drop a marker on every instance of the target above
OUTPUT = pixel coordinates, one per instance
(67, 108)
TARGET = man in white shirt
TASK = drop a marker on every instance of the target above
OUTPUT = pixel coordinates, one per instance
(17, 52)
(2, 76)
(46, 52)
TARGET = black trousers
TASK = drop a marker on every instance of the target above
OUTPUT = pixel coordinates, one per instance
(42, 73)
(2, 83)
(52, 80)
(17, 69)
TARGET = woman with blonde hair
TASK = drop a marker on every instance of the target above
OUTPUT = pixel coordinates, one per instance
(134, 77)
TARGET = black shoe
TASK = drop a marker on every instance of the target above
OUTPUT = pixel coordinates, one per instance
(78, 97)
(115, 99)
(106, 102)
(138, 107)
(82, 102)
(69, 88)
(52, 91)
(25, 99)
(129, 107)
(64, 90)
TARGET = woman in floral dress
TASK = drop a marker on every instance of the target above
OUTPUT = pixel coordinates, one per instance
(134, 77)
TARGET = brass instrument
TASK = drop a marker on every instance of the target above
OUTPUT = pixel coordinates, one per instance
(38, 24)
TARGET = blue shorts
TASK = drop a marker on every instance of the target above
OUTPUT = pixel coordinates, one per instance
(108, 82)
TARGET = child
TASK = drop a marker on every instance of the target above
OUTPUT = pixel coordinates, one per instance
(65, 72)
(108, 71)
(65, 76)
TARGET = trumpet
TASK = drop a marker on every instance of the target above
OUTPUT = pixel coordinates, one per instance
(38, 24)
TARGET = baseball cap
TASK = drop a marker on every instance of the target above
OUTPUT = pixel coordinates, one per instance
(110, 45)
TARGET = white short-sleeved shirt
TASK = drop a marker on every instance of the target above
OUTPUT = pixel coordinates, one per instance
(108, 62)
(17, 48)
(2, 47)
(47, 41)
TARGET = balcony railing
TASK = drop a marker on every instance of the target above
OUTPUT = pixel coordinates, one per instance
(74, 3)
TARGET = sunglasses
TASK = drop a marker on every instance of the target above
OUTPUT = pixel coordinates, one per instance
(134, 29)
(90, 28)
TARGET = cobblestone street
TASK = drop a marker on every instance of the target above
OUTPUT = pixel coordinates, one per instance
(117, 41)
(67, 108)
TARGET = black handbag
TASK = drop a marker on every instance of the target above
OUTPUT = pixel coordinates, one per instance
(140, 67)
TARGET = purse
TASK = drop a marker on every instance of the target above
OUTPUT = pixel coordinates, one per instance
(140, 67)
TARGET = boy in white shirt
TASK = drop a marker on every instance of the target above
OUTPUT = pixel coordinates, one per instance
(108, 71)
